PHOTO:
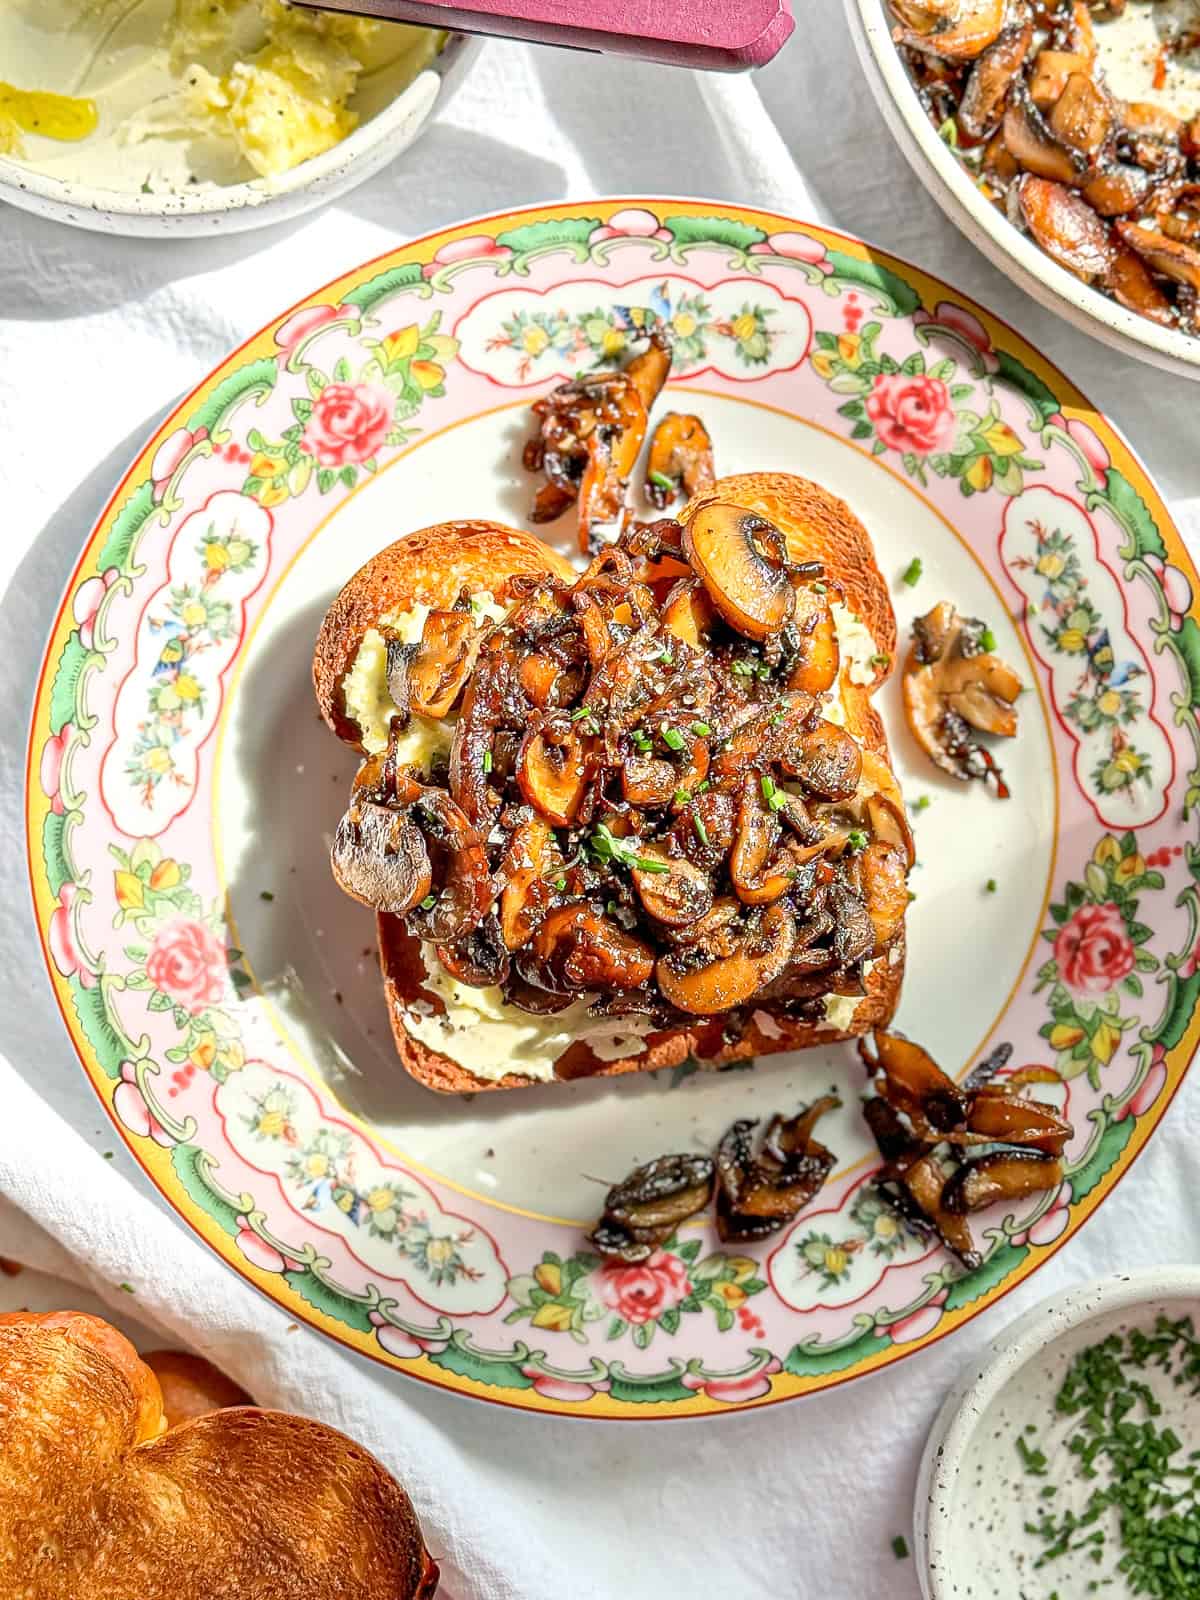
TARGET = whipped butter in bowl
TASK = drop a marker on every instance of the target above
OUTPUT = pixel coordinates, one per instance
(166, 115)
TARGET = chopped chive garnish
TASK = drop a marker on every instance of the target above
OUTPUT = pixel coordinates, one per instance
(580, 712)
(881, 659)
(560, 883)
(900, 1547)
(672, 738)
(1033, 1460)
(922, 804)
(779, 718)
(429, 902)
(701, 830)
(265, 894)
(912, 573)
(661, 481)
(988, 640)
(681, 797)
(763, 670)
(701, 730)
(487, 760)
(665, 654)
(642, 739)
(771, 794)
(856, 840)
(990, 886)
(820, 588)
(610, 850)
(744, 669)
(704, 786)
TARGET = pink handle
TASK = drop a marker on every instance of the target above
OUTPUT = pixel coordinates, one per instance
(727, 37)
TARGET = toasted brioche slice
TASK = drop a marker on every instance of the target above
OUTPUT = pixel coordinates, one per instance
(429, 567)
(192, 1387)
(97, 1500)
(818, 526)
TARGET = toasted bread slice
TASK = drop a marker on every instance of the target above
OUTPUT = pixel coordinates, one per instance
(192, 1387)
(99, 1499)
(429, 567)
(433, 565)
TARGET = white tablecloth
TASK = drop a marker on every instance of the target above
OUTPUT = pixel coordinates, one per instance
(97, 338)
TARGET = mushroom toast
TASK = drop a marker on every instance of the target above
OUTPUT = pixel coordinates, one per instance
(609, 820)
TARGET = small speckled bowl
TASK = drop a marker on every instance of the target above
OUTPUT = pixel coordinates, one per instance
(974, 1497)
(237, 207)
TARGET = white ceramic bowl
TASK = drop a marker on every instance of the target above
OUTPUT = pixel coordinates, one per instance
(973, 1497)
(237, 207)
(1012, 251)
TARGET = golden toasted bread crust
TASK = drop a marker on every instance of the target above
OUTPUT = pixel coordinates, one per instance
(96, 1501)
(431, 566)
(818, 527)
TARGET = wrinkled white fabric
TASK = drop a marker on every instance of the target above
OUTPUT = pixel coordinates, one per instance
(97, 338)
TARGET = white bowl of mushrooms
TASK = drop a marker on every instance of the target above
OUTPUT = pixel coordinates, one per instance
(1065, 143)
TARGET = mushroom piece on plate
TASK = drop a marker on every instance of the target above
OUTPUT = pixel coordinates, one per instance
(953, 684)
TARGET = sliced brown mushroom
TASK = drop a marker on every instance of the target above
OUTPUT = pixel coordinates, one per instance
(680, 459)
(951, 30)
(704, 987)
(767, 732)
(1169, 256)
(742, 560)
(1131, 285)
(817, 656)
(541, 679)
(925, 1127)
(995, 69)
(531, 861)
(825, 759)
(757, 1195)
(580, 949)
(1001, 1115)
(760, 871)
(612, 454)
(1035, 145)
(916, 1193)
(677, 893)
(379, 858)
(914, 1084)
(1116, 189)
(553, 769)
(689, 613)
(951, 684)
(480, 958)
(1066, 227)
(1000, 1175)
(644, 1210)
(1083, 115)
(884, 873)
(853, 929)
(467, 892)
(650, 368)
(442, 662)
(592, 430)
(1051, 72)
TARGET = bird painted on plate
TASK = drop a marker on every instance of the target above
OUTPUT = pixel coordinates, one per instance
(639, 318)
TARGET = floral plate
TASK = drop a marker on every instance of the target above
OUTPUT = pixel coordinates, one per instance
(223, 995)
